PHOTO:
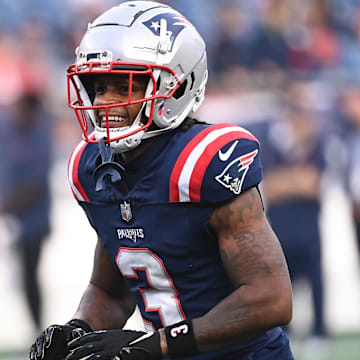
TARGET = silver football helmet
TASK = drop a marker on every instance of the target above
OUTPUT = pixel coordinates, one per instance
(140, 38)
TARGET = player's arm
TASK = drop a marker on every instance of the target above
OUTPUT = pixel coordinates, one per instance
(254, 260)
(107, 302)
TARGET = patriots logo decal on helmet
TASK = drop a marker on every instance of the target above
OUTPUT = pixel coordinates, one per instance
(175, 24)
(232, 177)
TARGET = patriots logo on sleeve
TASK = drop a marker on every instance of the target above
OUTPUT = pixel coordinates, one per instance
(175, 24)
(232, 177)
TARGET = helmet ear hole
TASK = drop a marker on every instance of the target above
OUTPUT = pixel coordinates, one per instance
(180, 91)
(192, 80)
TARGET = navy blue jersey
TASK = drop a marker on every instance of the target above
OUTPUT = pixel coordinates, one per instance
(157, 234)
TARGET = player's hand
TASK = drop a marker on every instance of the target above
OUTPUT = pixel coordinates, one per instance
(51, 344)
(116, 344)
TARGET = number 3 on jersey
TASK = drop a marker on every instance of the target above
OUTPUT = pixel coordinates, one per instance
(160, 295)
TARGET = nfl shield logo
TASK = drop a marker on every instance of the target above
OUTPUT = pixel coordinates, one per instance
(126, 211)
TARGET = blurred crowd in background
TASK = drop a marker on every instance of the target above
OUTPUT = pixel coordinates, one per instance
(288, 70)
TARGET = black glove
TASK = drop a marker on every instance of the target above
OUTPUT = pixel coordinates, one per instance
(51, 344)
(116, 344)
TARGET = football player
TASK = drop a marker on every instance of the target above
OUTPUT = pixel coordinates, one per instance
(175, 204)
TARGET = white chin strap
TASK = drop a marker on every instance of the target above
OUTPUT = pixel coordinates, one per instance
(127, 143)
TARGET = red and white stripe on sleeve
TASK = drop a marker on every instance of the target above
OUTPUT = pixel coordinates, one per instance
(189, 170)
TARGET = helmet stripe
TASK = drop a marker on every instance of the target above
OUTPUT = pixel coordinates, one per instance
(189, 170)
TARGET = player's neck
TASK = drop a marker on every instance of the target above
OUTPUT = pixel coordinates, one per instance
(130, 156)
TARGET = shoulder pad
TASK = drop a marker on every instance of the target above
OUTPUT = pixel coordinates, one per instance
(217, 164)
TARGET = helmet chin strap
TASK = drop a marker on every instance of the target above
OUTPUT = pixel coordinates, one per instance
(131, 142)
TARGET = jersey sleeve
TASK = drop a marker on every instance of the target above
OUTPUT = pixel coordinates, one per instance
(217, 165)
(81, 166)
(74, 171)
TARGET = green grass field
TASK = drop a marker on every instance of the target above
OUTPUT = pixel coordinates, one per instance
(345, 347)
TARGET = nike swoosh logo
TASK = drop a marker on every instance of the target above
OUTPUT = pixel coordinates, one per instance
(226, 155)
